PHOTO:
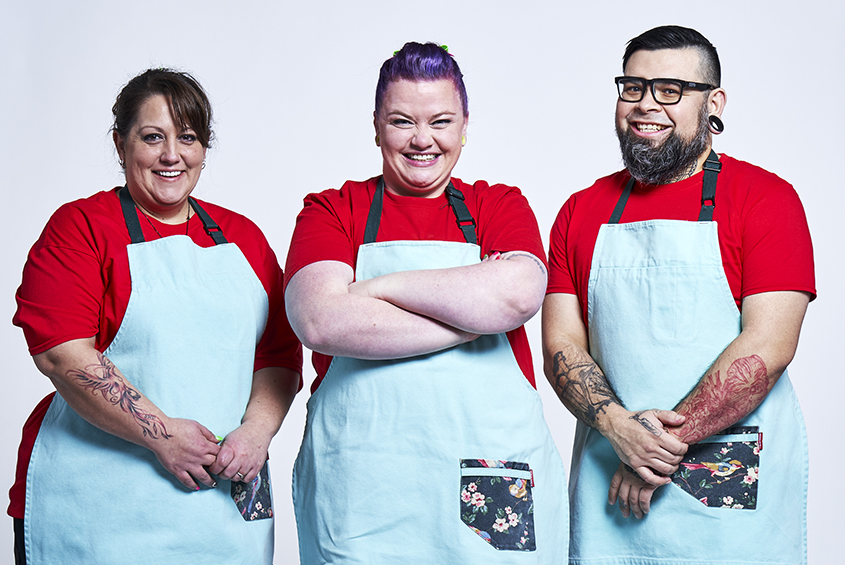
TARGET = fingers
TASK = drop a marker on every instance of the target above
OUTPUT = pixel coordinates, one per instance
(615, 485)
(645, 496)
(652, 477)
(623, 500)
(668, 417)
(224, 458)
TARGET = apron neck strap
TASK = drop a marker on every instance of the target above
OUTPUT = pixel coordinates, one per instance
(212, 229)
(130, 215)
(134, 226)
(712, 167)
(456, 200)
(622, 202)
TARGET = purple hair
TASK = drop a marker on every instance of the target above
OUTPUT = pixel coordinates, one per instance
(420, 62)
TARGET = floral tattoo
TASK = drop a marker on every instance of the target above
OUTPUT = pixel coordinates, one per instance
(719, 403)
(104, 378)
(583, 388)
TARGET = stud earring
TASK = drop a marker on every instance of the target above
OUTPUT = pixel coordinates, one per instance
(716, 125)
(463, 141)
(377, 140)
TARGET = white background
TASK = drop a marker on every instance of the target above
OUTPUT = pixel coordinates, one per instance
(292, 87)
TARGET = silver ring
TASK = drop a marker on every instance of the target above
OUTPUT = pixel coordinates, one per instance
(239, 475)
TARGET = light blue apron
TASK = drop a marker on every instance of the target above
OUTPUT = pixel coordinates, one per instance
(439, 458)
(660, 313)
(187, 342)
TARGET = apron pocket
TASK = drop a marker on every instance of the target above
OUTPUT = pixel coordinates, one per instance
(496, 502)
(253, 499)
(723, 470)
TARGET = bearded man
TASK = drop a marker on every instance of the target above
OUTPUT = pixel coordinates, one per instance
(677, 289)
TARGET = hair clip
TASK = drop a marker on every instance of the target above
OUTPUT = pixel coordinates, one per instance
(445, 47)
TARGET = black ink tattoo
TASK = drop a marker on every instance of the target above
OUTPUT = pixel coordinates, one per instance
(104, 378)
(583, 388)
(646, 423)
(531, 257)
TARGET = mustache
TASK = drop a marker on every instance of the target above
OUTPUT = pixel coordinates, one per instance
(666, 162)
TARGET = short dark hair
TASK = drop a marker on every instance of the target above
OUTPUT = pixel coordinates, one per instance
(420, 62)
(189, 104)
(676, 37)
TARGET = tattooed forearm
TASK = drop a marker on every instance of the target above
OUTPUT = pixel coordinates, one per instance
(646, 423)
(717, 403)
(582, 388)
(532, 258)
(104, 378)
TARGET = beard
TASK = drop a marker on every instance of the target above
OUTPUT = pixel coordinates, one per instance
(667, 162)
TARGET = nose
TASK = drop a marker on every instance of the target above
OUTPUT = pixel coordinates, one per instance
(648, 103)
(169, 153)
(422, 138)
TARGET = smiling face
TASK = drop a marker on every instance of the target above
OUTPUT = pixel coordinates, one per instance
(677, 133)
(421, 127)
(163, 161)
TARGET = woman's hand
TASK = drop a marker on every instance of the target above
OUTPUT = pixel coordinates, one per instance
(186, 451)
(242, 455)
(631, 492)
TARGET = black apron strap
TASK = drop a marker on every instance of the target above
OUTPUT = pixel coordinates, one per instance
(134, 227)
(622, 202)
(373, 223)
(209, 224)
(456, 200)
(464, 219)
(130, 215)
(712, 167)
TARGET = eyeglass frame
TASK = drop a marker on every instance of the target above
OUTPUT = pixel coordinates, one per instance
(684, 84)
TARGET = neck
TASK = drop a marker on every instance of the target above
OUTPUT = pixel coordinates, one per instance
(177, 217)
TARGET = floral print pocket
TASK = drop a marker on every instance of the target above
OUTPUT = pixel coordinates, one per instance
(496, 502)
(253, 499)
(723, 470)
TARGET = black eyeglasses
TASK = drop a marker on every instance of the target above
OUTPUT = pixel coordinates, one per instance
(666, 91)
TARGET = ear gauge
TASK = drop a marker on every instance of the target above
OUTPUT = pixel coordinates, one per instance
(716, 125)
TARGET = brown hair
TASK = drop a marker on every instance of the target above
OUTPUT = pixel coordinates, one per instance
(189, 104)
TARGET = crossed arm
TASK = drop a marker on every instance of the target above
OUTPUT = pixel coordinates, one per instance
(97, 390)
(412, 312)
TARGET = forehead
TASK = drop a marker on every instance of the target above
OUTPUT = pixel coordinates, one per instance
(155, 108)
(431, 95)
(683, 64)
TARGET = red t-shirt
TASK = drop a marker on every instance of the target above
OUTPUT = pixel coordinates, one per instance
(331, 227)
(762, 230)
(76, 284)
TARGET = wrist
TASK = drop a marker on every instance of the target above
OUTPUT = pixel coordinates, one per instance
(608, 419)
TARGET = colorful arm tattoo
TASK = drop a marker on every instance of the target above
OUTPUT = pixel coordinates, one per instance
(718, 403)
(104, 378)
(582, 388)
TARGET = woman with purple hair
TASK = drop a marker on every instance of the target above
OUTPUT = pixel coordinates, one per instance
(425, 440)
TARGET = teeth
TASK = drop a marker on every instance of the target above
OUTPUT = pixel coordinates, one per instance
(649, 127)
(422, 157)
(168, 173)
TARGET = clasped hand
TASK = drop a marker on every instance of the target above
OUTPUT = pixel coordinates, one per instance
(192, 453)
(649, 454)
